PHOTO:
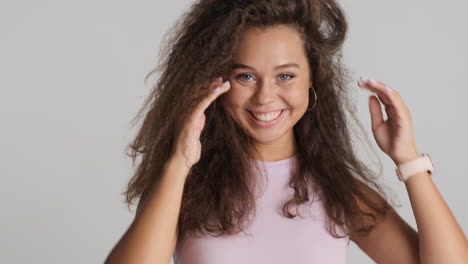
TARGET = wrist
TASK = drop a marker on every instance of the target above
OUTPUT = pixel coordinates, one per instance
(412, 166)
(406, 158)
(179, 164)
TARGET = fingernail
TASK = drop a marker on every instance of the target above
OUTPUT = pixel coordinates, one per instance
(217, 89)
(372, 81)
(220, 78)
(389, 90)
(362, 81)
(226, 83)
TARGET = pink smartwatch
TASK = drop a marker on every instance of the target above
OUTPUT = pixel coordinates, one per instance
(412, 167)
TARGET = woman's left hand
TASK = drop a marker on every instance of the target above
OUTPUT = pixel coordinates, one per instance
(395, 135)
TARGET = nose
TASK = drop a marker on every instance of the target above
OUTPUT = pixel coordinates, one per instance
(265, 93)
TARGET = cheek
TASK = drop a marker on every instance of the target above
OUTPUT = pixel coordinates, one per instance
(236, 98)
(298, 99)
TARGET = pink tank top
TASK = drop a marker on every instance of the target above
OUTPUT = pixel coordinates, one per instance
(271, 238)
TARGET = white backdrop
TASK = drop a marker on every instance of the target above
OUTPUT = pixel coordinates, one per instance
(72, 78)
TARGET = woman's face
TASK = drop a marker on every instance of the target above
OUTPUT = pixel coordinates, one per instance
(270, 74)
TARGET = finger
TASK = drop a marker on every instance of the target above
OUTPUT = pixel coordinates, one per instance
(376, 112)
(388, 96)
(394, 114)
(215, 93)
(394, 105)
(217, 82)
(393, 102)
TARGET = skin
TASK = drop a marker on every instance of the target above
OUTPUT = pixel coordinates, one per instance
(262, 88)
(439, 238)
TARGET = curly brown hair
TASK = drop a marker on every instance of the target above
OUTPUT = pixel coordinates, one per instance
(220, 185)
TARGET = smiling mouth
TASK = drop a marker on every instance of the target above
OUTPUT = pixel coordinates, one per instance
(269, 117)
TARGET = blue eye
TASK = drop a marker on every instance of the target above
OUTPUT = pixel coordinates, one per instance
(241, 75)
(291, 76)
(286, 79)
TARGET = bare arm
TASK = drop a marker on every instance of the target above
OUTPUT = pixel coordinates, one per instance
(441, 239)
(152, 236)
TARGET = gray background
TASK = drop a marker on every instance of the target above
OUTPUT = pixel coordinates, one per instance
(72, 78)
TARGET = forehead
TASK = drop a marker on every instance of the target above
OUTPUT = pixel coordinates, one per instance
(269, 46)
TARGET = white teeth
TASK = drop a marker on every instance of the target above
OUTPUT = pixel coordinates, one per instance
(267, 117)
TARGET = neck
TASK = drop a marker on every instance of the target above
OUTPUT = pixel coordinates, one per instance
(281, 149)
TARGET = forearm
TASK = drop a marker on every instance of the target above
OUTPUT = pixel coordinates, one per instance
(151, 237)
(441, 239)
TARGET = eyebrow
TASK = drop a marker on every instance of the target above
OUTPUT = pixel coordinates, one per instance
(243, 66)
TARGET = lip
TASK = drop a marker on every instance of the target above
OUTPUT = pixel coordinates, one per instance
(266, 112)
(267, 124)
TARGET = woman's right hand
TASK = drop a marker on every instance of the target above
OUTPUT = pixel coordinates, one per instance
(188, 145)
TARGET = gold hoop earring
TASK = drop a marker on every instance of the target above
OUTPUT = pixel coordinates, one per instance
(315, 100)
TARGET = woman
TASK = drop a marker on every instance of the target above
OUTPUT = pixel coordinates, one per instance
(220, 156)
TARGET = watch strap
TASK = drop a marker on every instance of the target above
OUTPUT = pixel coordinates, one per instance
(410, 168)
